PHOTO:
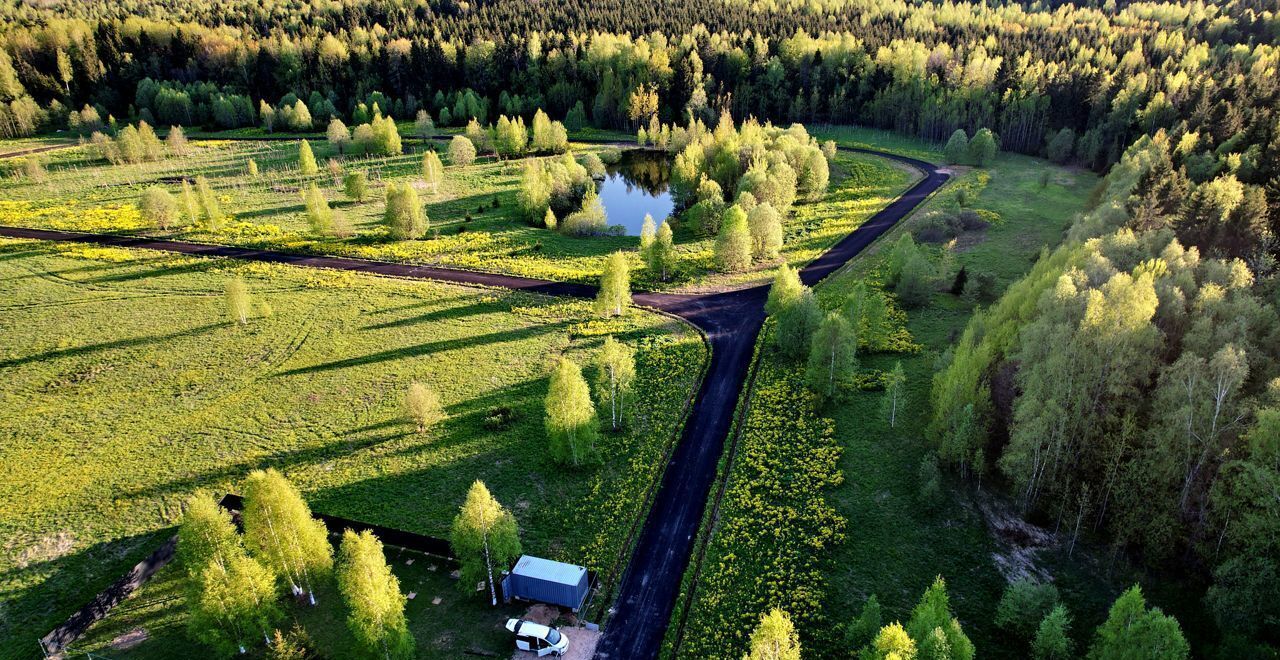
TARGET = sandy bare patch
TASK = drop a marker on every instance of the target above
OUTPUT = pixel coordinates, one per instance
(969, 240)
(1019, 541)
(128, 640)
(582, 645)
(46, 548)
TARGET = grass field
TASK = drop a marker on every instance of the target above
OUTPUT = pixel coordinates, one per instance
(124, 389)
(862, 530)
(474, 222)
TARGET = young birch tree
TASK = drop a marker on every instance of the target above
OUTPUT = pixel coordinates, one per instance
(158, 207)
(832, 358)
(423, 405)
(210, 209)
(462, 152)
(372, 593)
(306, 160)
(237, 297)
(190, 206)
(484, 535)
(648, 237)
(775, 638)
(403, 216)
(765, 224)
(571, 417)
(614, 378)
(432, 170)
(230, 597)
(279, 529)
(893, 383)
(338, 135)
(615, 286)
(733, 244)
(319, 215)
(662, 254)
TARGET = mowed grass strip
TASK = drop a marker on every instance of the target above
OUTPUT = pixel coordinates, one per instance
(125, 389)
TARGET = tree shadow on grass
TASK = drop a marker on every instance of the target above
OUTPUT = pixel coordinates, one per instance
(427, 349)
(441, 313)
(109, 345)
(191, 267)
(269, 211)
(55, 588)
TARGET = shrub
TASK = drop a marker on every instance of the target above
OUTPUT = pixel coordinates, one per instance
(159, 207)
(1024, 604)
(957, 149)
(590, 220)
(462, 152)
(423, 406)
(356, 185)
(983, 148)
(404, 217)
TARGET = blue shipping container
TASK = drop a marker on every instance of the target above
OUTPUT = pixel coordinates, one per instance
(546, 581)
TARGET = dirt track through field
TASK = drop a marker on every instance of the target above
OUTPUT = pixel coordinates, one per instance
(731, 320)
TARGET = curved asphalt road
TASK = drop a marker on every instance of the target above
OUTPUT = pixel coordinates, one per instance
(731, 320)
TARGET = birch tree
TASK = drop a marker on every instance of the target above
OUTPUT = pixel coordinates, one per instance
(319, 215)
(615, 375)
(279, 530)
(374, 603)
(306, 159)
(893, 384)
(338, 135)
(432, 170)
(571, 417)
(210, 209)
(662, 256)
(403, 215)
(237, 298)
(615, 286)
(832, 356)
(484, 535)
(775, 638)
(231, 598)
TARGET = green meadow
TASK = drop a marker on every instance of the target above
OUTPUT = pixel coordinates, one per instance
(473, 215)
(125, 388)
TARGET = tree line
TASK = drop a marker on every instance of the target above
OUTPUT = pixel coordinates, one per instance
(1127, 387)
(1079, 81)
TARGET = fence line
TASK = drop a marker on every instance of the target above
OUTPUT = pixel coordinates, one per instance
(60, 638)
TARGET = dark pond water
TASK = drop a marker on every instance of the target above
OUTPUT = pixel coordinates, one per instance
(637, 184)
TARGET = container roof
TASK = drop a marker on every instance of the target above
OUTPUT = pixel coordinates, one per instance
(551, 571)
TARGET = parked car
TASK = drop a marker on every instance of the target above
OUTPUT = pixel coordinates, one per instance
(543, 640)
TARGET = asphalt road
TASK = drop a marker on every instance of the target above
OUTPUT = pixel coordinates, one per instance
(731, 321)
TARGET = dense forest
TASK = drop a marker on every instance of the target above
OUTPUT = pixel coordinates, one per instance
(1079, 83)
(1127, 388)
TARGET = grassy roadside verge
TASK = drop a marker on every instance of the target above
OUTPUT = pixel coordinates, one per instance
(892, 543)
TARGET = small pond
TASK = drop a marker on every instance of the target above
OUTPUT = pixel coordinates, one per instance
(637, 184)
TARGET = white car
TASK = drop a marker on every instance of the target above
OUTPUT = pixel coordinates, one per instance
(543, 640)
